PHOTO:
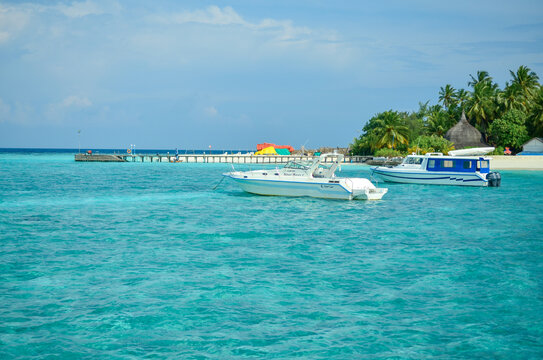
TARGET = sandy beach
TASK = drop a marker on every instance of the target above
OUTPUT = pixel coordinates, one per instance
(502, 162)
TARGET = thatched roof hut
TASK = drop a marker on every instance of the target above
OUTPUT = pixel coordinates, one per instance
(464, 135)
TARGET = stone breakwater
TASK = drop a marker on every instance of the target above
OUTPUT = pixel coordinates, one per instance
(98, 158)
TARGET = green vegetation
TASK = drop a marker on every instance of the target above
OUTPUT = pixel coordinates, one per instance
(431, 143)
(510, 130)
(386, 152)
(507, 118)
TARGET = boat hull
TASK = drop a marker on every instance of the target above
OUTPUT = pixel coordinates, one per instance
(310, 189)
(432, 178)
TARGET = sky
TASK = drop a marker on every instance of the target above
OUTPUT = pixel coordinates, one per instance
(231, 74)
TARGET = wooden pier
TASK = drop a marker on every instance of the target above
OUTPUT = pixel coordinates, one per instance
(208, 158)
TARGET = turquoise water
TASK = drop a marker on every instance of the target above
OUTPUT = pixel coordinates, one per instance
(132, 260)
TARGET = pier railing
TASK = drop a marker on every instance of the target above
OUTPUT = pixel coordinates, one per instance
(208, 158)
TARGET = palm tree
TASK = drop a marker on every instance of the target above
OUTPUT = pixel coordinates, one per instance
(447, 96)
(525, 81)
(535, 117)
(510, 99)
(390, 130)
(462, 97)
(439, 121)
(481, 105)
(423, 110)
(482, 77)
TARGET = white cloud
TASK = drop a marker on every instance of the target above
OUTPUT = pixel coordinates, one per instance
(4, 36)
(17, 113)
(211, 111)
(213, 15)
(15, 18)
(203, 35)
(80, 9)
(288, 31)
(67, 107)
(88, 7)
(74, 101)
(12, 21)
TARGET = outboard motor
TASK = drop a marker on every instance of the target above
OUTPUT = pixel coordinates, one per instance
(494, 179)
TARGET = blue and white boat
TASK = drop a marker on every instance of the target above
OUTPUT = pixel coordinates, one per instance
(313, 178)
(439, 169)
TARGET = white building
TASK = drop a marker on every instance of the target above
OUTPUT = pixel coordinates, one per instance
(533, 147)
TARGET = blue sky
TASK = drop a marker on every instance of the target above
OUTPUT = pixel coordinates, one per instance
(230, 74)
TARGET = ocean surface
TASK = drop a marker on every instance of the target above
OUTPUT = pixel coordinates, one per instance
(146, 260)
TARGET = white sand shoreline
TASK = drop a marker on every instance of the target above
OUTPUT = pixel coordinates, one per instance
(503, 162)
(521, 162)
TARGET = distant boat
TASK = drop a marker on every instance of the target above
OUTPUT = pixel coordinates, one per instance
(438, 169)
(307, 178)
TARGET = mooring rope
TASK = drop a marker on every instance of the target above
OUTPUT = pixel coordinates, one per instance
(374, 178)
(216, 186)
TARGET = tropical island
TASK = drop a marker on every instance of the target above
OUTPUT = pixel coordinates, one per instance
(506, 118)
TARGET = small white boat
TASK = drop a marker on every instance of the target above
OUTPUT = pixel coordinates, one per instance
(313, 178)
(472, 151)
(439, 169)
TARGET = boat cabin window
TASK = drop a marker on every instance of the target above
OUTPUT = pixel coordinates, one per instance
(321, 171)
(460, 165)
(413, 160)
(295, 165)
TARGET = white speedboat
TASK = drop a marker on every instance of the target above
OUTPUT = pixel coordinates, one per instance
(439, 169)
(313, 178)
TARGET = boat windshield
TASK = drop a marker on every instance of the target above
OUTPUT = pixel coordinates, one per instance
(415, 160)
(326, 167)
(296, 165)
